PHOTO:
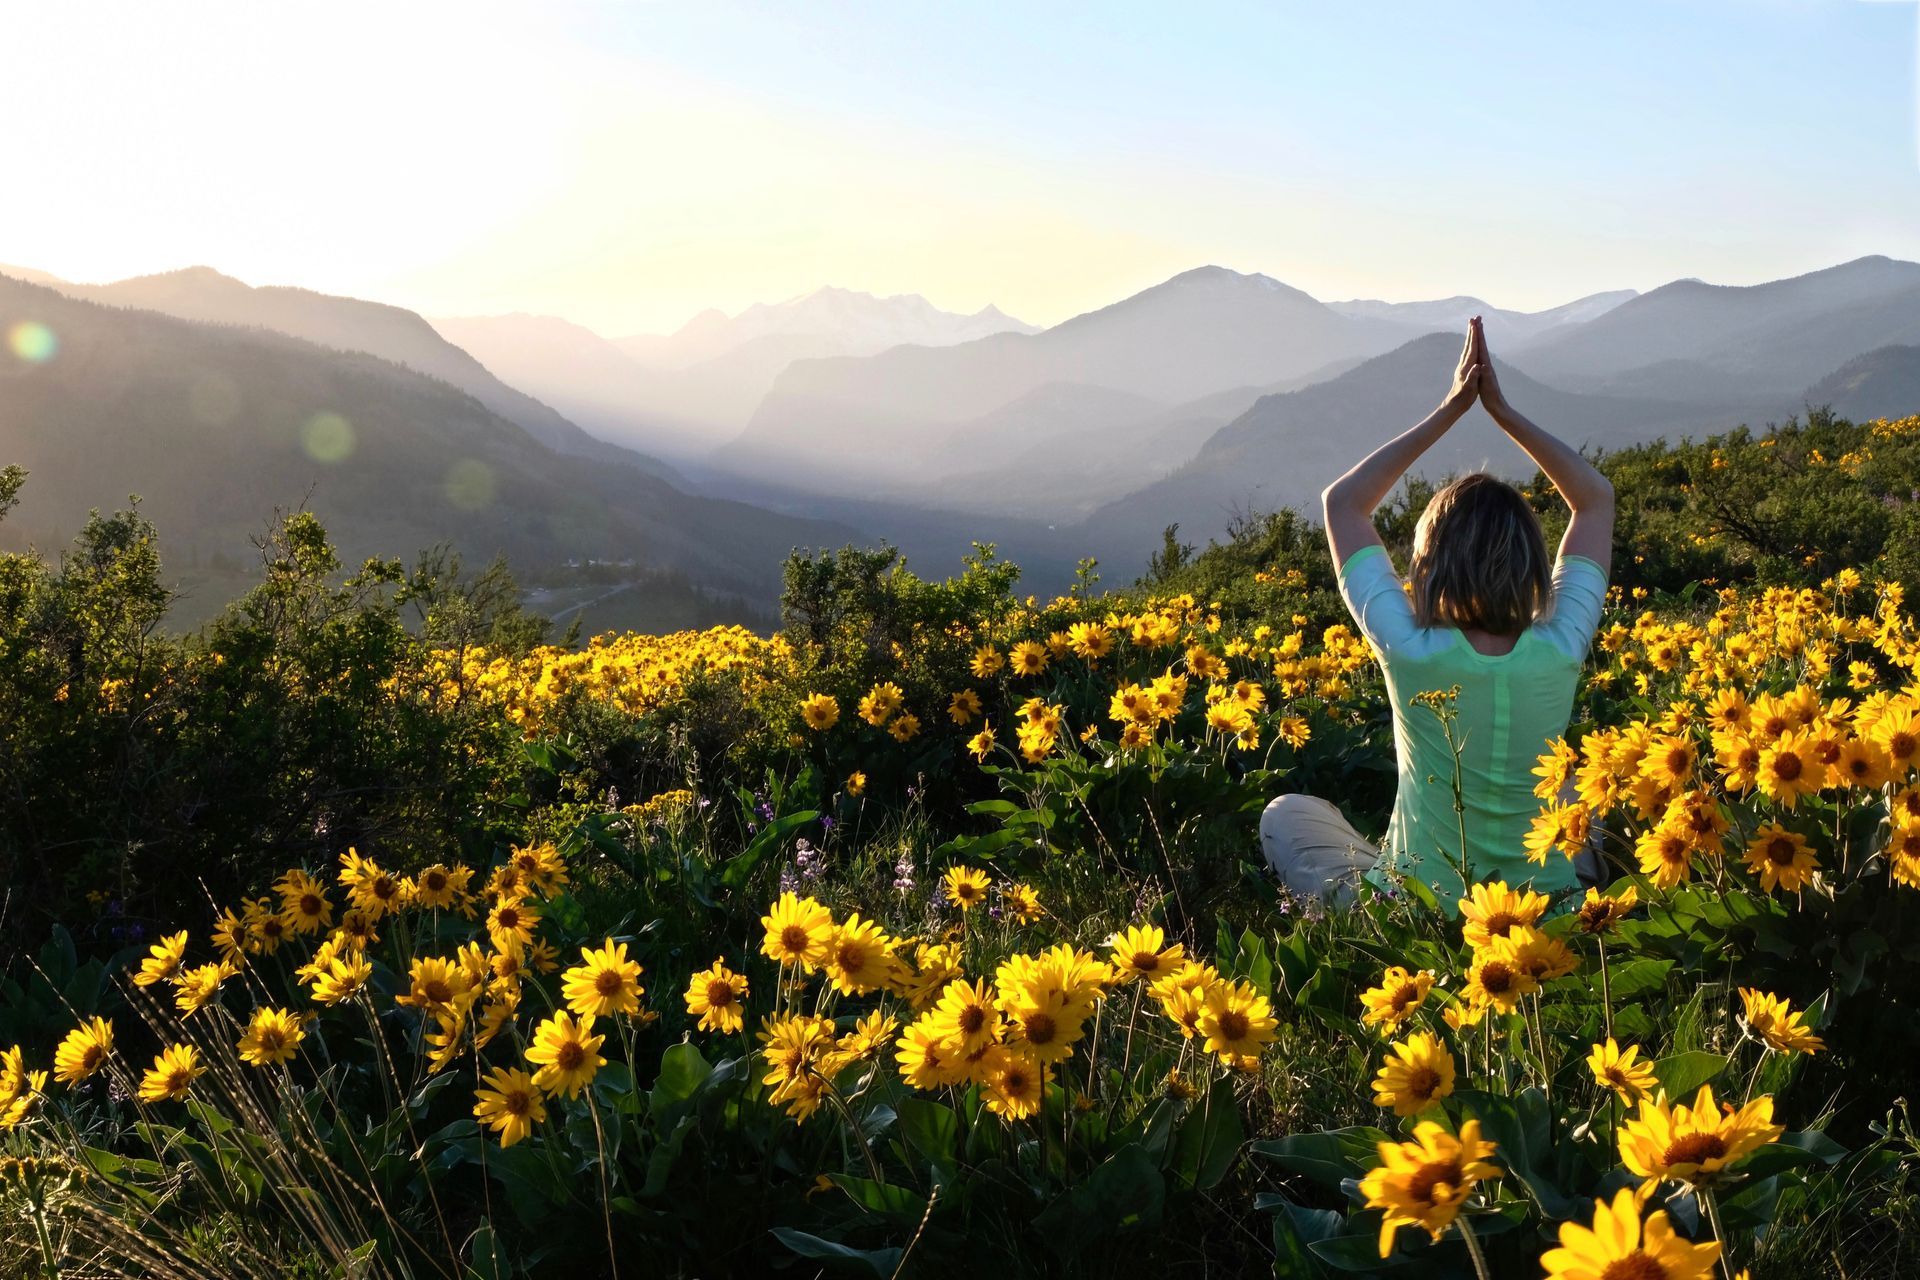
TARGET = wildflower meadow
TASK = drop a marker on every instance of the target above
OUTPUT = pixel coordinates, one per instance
(376, 931)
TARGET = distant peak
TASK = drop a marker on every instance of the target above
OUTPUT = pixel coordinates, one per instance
(200, 275)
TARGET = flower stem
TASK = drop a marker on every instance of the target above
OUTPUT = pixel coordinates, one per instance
(1606, 988)
(1473, 1249)
(1712, 1207)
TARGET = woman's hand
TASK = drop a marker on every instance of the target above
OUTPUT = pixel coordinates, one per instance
(1491, 397)
(1467, 374)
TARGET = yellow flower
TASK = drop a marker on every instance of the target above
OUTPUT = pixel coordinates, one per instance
(1863, 764)
(966, 886)
(1492, 910)
(173, 1072)
(437, 985)
(1666, 854)
(1141, 952)
(1399, 994)
(821, 711)
(1618, 1247)
(1424, 1182)
(966, 1016)
(1028, 658)
(1237, 1021)
(1622, 1071)
(1090, 640)
(1022, 902)
(986, 661)
(928, 1059)
(567, 1055)
(370, 891)
(1694, 1144)
(1542, 956)
(1789, 768)
(1599, 913)
(511, 924)
(1015, 1083)
(964, 707)
(163, 960)
(510, 1104)
(18, 1087)
(1418, 1073)
(859, 957)
(1778, 1024)
(715, 994)
(272, 1035)
(195, 989)
(981, 743)
(1496, 979)
(540, 867)
(798, 932)
(604, 983)
(304, 907)
(83, 1051)
(341, 979)
(1781, 858)
(440, 888)
(880, 702)
(904, 727)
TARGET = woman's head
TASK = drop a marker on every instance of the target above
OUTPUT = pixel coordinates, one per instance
(1479, 559)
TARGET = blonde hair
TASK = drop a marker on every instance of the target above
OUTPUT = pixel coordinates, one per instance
(1479, 559)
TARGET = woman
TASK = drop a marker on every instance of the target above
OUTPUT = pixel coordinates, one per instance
(1480, 611)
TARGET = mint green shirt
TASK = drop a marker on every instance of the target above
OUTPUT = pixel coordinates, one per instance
(1509, 708)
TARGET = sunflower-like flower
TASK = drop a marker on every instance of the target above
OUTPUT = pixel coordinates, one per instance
(437, 985)
(1399, 994)
(1778, 1024)
(1015, 1082)
(509, 1103)
(272, 1035)
(1618, 1244)
(1423, 1183)
(986, 661)
(1543, 956)
(980, 745)
(1022, 902)
(964, 707)
(859, 957)
(820, 711)
(928, 1057)
(1141, 952)
(604, 983)
(1623, 1071)
(442, 888)
(1236, 1021)
(511, 923)
(341, 979)
(18, 1087)
(540, 867)
(567, 1054)
(967, 1015)
(195, 988)
(880, 702)
(1781, 858)
(1598, 913)
(162, 960)
(966, 886)
(1492, 910)
(1694, 1144)
(371, 891)
(173, 1072)
(304, 906)
(1419, 1071)
(1090, 640)
(798, 932)
(83, 1051)
(1496, 978)
(1789, 768)
(1027, 658)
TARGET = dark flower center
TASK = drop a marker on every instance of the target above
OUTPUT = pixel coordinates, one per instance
(1694, 1148)
(1441, 1175)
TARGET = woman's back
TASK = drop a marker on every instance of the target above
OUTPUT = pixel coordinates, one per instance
(1507, 708)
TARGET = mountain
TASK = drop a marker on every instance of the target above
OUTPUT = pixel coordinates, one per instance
(1286, 448)
(683, 394)
(1502, 326)
(848, 421)
(1879, 384)
(350, 324)
(216, 426)
(1766, 339)
(838, 321)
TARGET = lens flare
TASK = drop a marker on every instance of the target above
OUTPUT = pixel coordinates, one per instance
(470, 484)
(327, 437)
(32, 341)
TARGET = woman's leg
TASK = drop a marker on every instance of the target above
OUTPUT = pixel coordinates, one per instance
(1313, 849)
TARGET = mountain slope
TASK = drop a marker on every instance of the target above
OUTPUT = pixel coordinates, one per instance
(1879, 384)
(1286, 448)
(1775, 337)
(351, 324)
(1503, 326)
(215, 426)
(845, 420)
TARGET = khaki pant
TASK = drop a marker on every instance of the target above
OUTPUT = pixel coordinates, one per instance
(1313, 849)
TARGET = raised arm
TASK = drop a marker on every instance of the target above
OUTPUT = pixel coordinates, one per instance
(1347, 504)
(1590, 494)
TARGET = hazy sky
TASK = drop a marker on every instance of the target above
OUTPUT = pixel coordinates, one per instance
(627, 164)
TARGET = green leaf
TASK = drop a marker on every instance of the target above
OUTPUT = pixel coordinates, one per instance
(1209, 1139)
(1328, 1157)
(900, 1203)
(1125, 1193)
(876, 1262)
(1683, 1073)
(1522, 1129)
(742, 865)
(486, 1259)
(932, 1130)
(682, 1071)
(1637, 978)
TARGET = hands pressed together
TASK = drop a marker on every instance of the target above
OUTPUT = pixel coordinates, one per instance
(1473, 377)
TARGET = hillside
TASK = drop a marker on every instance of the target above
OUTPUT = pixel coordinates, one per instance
(1879, 384)
(215, 427)
(351, 324)
(1287, 447)
(1503, 326)
(1199, 333)
(1769, 338)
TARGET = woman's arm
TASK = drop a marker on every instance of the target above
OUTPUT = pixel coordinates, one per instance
(1590, 494)
(1347, 504)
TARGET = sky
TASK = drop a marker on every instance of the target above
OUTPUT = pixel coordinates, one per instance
(626, 165)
